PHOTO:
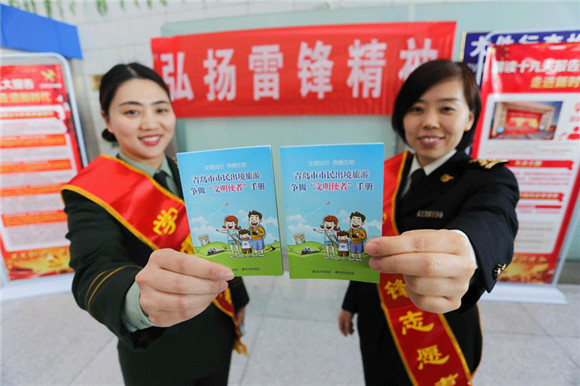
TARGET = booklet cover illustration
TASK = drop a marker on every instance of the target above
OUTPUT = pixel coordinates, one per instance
(230, 201)
(333, 203)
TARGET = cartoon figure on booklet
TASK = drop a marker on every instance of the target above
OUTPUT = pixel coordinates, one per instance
(343, 244)
(257, 231)
(246, 242)
(357, 235)
(329, 228)
(231, 228)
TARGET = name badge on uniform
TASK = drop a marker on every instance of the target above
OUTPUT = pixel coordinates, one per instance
(429, 214)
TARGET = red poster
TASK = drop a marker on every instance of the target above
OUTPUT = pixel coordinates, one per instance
(39, 152)
(335, 69)
(531, 116)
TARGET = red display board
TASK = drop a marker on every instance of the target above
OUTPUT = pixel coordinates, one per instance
(40, 151)
(531, 117)
(334, 69)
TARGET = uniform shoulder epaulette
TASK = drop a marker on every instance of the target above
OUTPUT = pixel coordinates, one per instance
(487, 163)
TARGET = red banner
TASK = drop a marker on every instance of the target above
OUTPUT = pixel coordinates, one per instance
(535, 68)
(531, 115)
(31, 85)
(336, 69)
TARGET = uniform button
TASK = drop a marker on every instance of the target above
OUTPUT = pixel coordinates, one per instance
(498, 270)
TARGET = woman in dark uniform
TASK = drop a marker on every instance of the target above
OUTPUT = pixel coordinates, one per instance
(177, 316)
(448, 233)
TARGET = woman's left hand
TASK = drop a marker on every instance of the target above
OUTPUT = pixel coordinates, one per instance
(436, 265)
(240, 315)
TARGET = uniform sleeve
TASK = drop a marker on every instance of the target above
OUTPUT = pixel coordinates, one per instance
(133, 316)
(351, 297)
(488, 218)
(103, 270)
(240, 297)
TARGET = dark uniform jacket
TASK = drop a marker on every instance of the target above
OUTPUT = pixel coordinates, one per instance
(473, 196)
(106, 258)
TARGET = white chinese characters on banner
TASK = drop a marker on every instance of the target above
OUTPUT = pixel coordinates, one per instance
(220, 78)
(529, 65)
(177, 80)
(481, 44)
(366, 62)
(16, 84)
(475, 43)
(414, 56)
(265, 61)
(315, 69)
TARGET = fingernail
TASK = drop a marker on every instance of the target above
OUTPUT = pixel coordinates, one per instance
(224, 286)
(374, 263)
(227, 275)
(371, 248)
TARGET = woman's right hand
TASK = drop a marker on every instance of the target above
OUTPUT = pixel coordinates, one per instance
(176, 286)
(345, 323)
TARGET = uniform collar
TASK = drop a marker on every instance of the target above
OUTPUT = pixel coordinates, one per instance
(433, 165)
(147, 169)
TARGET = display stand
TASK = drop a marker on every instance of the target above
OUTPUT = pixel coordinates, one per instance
(38, 286)
(537, 293)
(547, 210)
(525, 293)
(42, 148)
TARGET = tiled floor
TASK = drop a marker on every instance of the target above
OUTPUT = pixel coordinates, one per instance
(292, 337)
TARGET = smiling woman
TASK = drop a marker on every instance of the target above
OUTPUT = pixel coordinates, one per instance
(448, 236)
(435, 123)
(141, 119)
(131, 249)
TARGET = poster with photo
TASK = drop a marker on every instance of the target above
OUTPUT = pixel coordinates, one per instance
(531, 117)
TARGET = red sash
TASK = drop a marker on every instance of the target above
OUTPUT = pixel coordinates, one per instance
(152, 213)
(425, 342)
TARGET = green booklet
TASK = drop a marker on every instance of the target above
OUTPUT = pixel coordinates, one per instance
(231, 207)
(333, 203)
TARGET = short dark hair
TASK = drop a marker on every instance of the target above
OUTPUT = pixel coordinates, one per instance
(118, 75)
(426, 76)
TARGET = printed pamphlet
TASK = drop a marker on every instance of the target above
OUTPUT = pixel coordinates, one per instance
(333, 203)
(231, 207)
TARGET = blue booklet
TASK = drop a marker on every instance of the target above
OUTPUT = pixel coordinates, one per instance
(333, 204)
(231, 207)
